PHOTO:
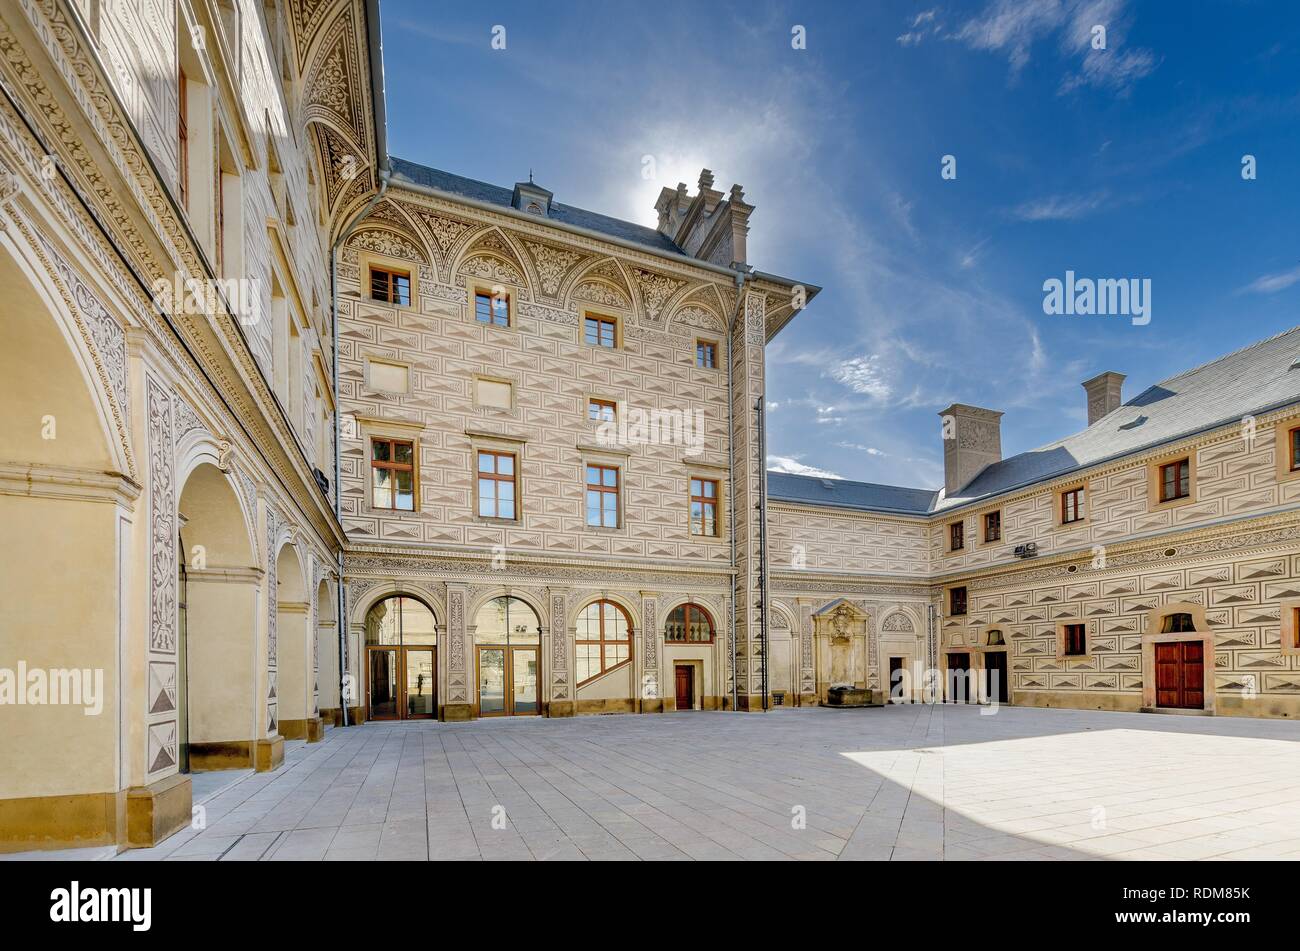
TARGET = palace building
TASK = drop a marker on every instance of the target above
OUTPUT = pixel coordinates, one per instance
(298, 435)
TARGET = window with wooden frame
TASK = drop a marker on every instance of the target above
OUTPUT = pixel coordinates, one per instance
(956, 601)
(492, 307)
(1295, 629)
(496, 484)
(1175, 480)
(704, 507)
(604, 640)
(390, 286)
(392, 474)
(688, 624)
(1073, 502)
(183, 137)
(602, 411)
(600, 331)
(956, 536)
(1289, 629)
(992, 527)
(1177, 622)
(706, 354)
(1074, 640)
(1293, 443)
(602, 496)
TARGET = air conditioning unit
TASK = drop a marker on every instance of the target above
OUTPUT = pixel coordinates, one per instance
(1026, 551)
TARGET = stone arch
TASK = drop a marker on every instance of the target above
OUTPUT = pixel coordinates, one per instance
(361, 606)
(580, 601)
(290, 655)
(491, 256)
(533, 601)
(603, 283)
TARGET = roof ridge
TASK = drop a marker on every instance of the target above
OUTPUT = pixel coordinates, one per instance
(1226, 356)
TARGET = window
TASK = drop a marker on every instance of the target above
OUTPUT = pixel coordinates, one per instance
(497, 393)
(183, 138)
(1294, 438)
(601, 331)
(391, 377)
(956, 536)
(993, 526)
(602, 496)
(492, 308)
(1175, 480)
(1295, 628)
(1177, 623)
(604, 640)
(704, 507)
(995, 639)
(706, 354)
(1075, 639)
(601, 411)
(1072, 506)
(392, 474)
(956, 601)
(688, 624)
(496, 484)
(392, 287)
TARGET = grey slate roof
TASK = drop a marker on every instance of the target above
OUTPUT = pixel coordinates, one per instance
(412, 173)
(1251, 381)
(841, 493)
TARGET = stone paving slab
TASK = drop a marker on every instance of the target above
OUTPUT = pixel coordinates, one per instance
(904, 783)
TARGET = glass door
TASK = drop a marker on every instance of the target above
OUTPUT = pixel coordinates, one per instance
(382, 685)
(421, 697)
(492, 681)
(523, 670)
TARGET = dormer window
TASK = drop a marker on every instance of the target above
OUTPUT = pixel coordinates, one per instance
(531, 198)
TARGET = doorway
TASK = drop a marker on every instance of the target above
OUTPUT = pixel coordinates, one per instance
(685, 678)
(956, 688)
(1180, 675)
(401, 660)
(507, 635)
(996, 686)
(897, 680)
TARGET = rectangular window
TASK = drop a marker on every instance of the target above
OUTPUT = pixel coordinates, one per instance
(492, 309)
(1175, 480)
(993, 526)
(602, 496)
(392, 474)
(956, 601)
(1072, 503)
(183, 137)
(601, 331)
(392, 287)
(496, 484)
(956, 536)
(601, 411)
(1295, 450)
(704, 507)
(706, 354)
(1076, 640)
(1295, 628)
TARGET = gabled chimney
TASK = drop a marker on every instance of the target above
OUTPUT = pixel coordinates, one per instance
(1104, 396)
(711, 226)
(972, 439)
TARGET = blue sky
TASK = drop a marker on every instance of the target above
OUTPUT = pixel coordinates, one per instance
(1116, 163)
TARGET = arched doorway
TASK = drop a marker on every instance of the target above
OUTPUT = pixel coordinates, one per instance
(327, 655)
(295, 681)
(401, 660)
(507, 642)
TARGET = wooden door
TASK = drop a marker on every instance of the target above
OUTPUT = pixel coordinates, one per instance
(957, 686)
(1180, 675)
(685, 687)
(995, 676)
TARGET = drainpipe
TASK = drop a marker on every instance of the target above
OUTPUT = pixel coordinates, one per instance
(761, 421)
(341, 607)
(731, 481)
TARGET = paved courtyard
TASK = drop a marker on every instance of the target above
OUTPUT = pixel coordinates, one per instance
(912, 782)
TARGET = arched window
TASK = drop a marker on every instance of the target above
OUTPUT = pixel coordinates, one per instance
(401, 660)
(995, 639)
(507, 620)
(1177, 623)
(399, 621)
(689, 624)
(604, 639)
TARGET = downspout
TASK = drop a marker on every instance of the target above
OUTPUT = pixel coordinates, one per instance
(731, 482)
(761, 421)
(341, 606)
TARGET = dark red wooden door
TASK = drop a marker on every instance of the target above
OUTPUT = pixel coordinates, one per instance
(1180, 675)
(685, 688)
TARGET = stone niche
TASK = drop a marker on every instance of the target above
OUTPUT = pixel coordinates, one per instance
(840, 632)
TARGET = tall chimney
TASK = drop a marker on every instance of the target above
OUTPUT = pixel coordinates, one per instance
(1103, 394)
(972, 439)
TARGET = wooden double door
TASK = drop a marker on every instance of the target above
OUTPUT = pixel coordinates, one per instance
(401, 683)
(508, 680)
(1180, 675)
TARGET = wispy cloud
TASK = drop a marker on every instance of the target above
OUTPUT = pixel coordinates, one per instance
(1272, 283)
(1060, 207)
(793, 466)
(864, 375)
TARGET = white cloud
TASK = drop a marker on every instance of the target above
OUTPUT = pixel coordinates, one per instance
(1272, 283)
(863, 375)
(1060, 207)
(794, 467)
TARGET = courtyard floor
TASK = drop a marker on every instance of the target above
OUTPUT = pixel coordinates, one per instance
(895, 783)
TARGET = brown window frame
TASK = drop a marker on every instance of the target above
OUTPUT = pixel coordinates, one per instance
(1074, 635)
(956, 536)
(602, 640)
(601, 324)
(610, 405)
(687, 610)
(1182, 482)
(1080, 500)
(1293, 438)
(183, 137)
(706, 503)
(391, 293)
(493, 302)
(994, 519)
(953, 600)
(496, 478)
(393, 466)
(709, 347)
(1295, 628)
(603, 490)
